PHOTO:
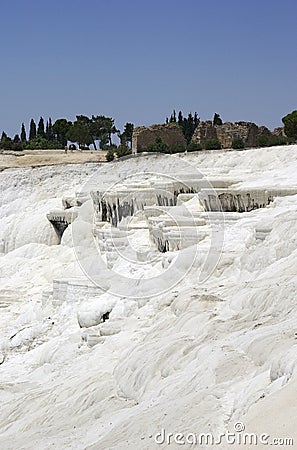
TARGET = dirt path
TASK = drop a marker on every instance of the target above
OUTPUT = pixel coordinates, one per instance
(36, 158)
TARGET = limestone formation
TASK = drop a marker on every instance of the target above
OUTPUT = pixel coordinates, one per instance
(60, 219)
(240, 199)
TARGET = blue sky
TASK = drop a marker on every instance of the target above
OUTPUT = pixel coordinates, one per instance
(137, 60)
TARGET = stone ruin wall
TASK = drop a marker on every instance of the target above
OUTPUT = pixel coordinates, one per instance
(144, 136)
(205, 131)
(226, 133)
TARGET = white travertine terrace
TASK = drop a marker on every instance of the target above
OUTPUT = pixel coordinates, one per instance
(85, 367)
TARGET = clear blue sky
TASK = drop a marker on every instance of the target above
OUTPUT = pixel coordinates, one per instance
(136, 60)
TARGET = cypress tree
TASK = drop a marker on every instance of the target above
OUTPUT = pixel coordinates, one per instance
(180, 118)
(217, 120)
(32, 132)
(173, 117)
(51, 134)
(196, 120)
(23, 133)
(40, 129)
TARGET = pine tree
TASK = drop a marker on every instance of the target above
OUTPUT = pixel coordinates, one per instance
(32, 132)
(16, 139)
(40, 129)
(23, 133)
(126, 136)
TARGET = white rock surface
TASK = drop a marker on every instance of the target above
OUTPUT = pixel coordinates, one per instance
(195, 358)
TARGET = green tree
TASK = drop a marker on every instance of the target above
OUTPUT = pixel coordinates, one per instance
(290, 123)
(126, 136)
(17, 144)
(188, 127)
(79, 132)
(187, 124)
(196, 120)
(6, 142)
(23, 133)
(110, 128)
(102, 128)
(32, 131)
(217, 119)
(86, 130)
(173, 117)
(61, 128)
(180, 118)
(40, 128)
(49, 132)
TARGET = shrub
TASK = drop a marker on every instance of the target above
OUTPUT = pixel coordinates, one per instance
(270, 141)
(213, 144)
(290, 140)
(237, 143)
(193, 147)
(40, 143)
(277, 140)
(18, 146)
(7, 143)
(159, 146)
(177, 148)
(263, 140)
(122, 150)
(110, 155)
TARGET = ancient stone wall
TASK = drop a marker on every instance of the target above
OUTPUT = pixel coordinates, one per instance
(226, 133)
(144, 136)
(279, 131)
(172, 134)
